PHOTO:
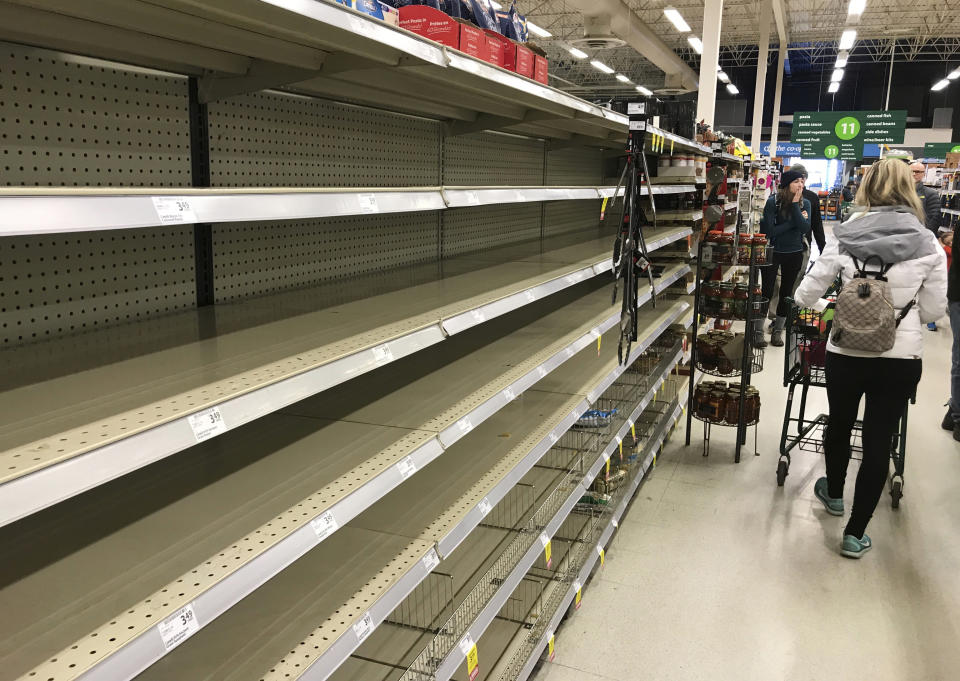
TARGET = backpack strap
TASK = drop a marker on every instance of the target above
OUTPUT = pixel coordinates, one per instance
(905, 310)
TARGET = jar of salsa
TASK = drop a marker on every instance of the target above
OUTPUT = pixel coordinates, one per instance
(731, 413)
(758, 302)
(741, 295)
(711, 298)
(698, 397)
(725, 253)
(751, 405)
(759, 243)
(716, 406)
(744, 247)
(726, 300)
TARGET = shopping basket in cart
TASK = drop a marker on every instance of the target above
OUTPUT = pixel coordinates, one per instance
(804, 366)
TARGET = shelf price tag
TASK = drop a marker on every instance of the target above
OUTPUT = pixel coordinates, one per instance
(509, 395)
(531, 296)
(364, 627)
(465, 425)
(431, 560)
(541, 371)
(606, 458)
(478, 316)
(579, 587)
(485, 507)
(177, 628)
(633, 431)
(469, 650)
(207, 423)
(550, 646)
(174, 210)
(368, 203)
(382, 355)
(471, 198)
(601, 554)
(616, 523)
(545, 540)
(324, 525)
(406, 467)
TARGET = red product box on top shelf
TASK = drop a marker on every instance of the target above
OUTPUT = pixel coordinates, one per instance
(524, 61)
(439, 27)
(501, 50)
(540, 69)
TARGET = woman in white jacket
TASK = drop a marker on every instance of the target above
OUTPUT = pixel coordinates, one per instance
(889, 224)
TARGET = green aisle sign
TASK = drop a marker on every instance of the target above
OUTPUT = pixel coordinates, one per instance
(940, 149)
(842, 134)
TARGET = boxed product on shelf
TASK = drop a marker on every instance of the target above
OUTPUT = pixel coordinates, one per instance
(524, 60)
(540, 69)
(500, 50)
(433, 24)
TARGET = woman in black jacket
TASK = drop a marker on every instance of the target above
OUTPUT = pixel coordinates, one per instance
(786, 222)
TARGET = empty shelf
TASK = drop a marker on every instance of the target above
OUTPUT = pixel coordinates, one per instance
(65, 436)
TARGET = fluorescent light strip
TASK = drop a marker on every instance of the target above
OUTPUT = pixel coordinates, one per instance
(623, 79)
(724, 78)
(940, 84)
(856, 7)
(953, 75)
(837, 76)
(833, 87)
(601, 66)
(696, 44)
(644, 91)
(732, 89)
(847, 39)
(673, 14)
(579, 54)
(842, 60)
(536, 30)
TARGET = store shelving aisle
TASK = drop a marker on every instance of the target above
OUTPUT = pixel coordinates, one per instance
(716, 573)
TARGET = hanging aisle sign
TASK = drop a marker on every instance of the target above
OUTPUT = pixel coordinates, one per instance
(940, 149)
(842, 134)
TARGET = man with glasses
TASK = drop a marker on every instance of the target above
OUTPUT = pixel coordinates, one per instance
(928, 197)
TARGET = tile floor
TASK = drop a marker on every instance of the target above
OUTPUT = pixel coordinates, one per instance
(717, 574)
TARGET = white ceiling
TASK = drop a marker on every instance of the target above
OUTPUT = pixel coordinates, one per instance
(919, 29)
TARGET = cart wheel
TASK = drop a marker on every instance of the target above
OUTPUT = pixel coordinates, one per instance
(782, 468)
(896, 493)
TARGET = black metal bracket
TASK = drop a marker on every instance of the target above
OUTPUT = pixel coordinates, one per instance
(200, 177)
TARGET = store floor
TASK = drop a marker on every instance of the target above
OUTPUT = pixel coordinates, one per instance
(717, 574)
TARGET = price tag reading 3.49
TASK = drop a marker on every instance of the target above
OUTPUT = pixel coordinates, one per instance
(207, 423)
(178, 627)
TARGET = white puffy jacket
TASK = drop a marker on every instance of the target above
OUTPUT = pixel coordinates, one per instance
(920, 272)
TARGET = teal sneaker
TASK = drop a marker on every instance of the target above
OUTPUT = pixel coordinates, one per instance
(853, 547)
(833, 506)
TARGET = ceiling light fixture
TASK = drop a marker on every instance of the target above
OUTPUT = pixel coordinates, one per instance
(856, 7)
(623, 79)
(842, 60)
(536, 30)
(834, 87)
(696, 44)
(837, 76)
(847, 39)
(724, 78)
(953, 75)
(732, 89)
(579, 54)
(644, 91)
(673, 14)
(601, 66)
(940, 84)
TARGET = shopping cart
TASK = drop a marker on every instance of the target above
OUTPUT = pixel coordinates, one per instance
(803, 367)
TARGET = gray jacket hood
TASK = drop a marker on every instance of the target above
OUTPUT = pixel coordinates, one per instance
(892, 233)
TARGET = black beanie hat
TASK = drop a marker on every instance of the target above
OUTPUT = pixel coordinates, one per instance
(789, 177)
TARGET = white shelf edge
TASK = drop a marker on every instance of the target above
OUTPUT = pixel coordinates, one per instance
(950, 211)
(39, 210)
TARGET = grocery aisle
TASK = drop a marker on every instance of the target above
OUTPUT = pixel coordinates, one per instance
(718, 574)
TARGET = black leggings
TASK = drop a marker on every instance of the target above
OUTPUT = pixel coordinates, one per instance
(888, 384)
(789, 265)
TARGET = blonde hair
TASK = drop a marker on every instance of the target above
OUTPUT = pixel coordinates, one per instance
(889, 183)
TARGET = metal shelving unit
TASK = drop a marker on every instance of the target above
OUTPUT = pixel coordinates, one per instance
(248, 455)
(253, 374)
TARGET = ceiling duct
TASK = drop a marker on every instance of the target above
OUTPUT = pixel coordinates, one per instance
(672, 85)
(597, 34)
(606, 20)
